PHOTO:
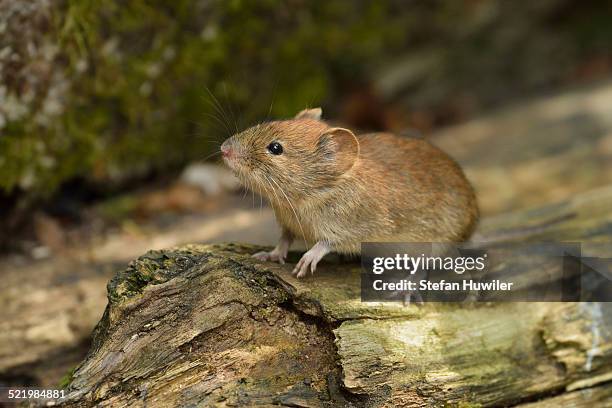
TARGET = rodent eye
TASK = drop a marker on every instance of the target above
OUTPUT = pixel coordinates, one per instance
(275, 148)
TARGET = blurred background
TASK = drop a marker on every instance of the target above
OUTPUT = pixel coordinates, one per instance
(111, 114)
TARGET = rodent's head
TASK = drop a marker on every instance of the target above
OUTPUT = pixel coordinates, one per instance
(299, 155)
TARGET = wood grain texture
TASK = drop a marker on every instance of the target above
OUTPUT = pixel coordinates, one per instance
(208, 325)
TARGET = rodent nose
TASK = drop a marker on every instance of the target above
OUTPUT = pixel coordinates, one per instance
(226, 150)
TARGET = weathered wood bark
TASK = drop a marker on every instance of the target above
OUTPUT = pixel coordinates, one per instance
(208, 325)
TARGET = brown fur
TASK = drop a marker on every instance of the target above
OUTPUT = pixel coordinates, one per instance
(329, 185)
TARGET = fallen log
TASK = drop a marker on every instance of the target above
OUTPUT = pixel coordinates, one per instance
(208, 325)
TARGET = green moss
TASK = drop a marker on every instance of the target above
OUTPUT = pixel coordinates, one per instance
(159, 266)
(66, 379)
(154, 267)
(138, 81)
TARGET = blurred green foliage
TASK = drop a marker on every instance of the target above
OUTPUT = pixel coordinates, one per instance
(110, 90)
(143, 85)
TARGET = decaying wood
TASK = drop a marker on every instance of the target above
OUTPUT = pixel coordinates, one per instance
(208, 325)
(204, 324)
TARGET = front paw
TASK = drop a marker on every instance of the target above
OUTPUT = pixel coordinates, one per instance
(307, 262)
(310, 259)
(274, 256)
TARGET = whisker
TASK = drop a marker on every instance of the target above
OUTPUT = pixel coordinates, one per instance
(221, 122)
(246, 190)
(230, 107)
(201, 138)
(214, 102)
(253, 195)
(272, 190)
(272, 101)
(292, 208)
(211, 155)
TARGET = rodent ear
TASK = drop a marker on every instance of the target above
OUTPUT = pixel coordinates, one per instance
(314, 114)
(343, 145)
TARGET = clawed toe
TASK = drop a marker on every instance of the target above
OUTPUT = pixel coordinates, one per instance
(262, 256)
(300, 273)
(269, 256)
(301, 269)
(310, 259)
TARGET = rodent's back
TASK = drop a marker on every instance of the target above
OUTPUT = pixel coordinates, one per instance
(423, 191)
